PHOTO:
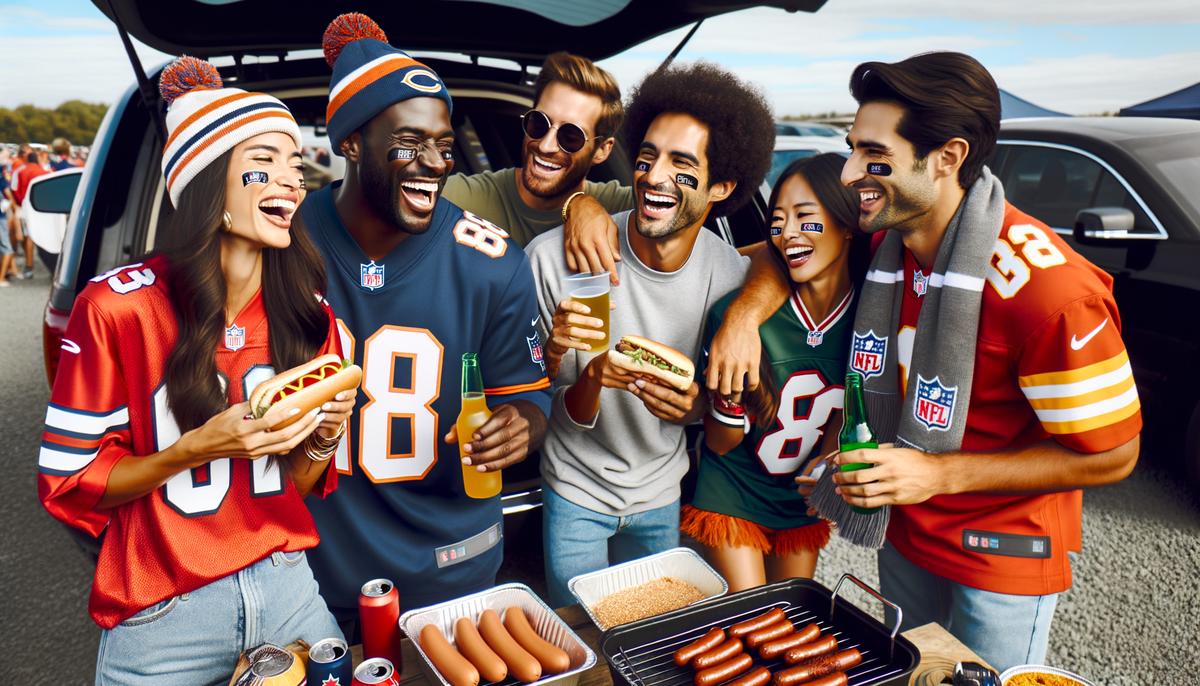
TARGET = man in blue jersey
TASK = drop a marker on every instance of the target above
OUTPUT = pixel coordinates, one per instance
(415, 282)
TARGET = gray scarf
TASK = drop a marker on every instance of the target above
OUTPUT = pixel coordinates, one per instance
(933, 413)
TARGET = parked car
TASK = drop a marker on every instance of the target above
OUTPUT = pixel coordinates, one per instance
(1123, 192)
(121, 203)
(788, 149)
(47, 228)
(808, 128)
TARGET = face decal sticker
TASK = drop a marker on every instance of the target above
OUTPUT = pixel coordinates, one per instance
(776, 230)
(254, 177)
(687, 180)
(812, 227)
(879, 169)
(402, 154)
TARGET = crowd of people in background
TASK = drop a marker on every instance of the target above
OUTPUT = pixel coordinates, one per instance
(19, 166)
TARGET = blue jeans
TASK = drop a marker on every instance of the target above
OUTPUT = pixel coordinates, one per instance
(195, 638)
(1005, 630)
(577, 540)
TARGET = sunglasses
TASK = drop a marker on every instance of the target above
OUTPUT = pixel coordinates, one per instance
(570, 138)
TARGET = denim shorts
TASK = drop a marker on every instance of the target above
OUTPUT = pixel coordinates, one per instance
(196, 638)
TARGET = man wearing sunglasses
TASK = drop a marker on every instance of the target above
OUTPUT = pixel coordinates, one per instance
(577, 109)
(615, 450)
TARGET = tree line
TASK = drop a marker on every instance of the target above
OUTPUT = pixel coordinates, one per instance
(75, 120)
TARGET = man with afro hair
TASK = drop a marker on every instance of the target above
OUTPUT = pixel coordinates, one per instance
(700, 140)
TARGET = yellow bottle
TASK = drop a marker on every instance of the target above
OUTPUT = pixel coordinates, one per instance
(474, 414)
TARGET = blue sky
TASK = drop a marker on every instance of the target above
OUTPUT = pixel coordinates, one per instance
(1078, 56)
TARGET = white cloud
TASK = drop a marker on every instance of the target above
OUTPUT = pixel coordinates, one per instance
(1026, 12)
(46, 71)
(23, 15)
(1089, 84)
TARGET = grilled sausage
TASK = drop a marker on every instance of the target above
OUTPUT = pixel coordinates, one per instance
(701, 645)
(554, 660)
(778, 630)
(448, 661)
(755, 623)
(807, 651)
(818, 667)
(773, 649)
(521, 664)
(758, 677)
(717, 655)
(835, 679)
(724, 671)
(471, 645)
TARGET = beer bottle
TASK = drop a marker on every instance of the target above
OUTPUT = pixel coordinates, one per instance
(474, 414)
(856, 432)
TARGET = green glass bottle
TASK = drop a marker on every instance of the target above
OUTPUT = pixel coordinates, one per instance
(856, 431)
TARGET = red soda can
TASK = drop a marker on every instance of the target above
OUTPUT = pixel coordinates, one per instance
(377, 671)
(379, 614)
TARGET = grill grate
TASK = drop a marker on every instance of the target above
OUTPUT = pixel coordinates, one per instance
(641, 656)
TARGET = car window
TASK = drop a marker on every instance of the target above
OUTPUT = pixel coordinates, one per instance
(780, 159)
(1053, 185)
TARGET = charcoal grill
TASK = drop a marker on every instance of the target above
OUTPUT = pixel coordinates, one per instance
(642, 653)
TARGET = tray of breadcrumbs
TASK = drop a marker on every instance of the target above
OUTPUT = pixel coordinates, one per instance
(646, 587)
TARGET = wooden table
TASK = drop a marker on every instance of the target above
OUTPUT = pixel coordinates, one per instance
(938, 648)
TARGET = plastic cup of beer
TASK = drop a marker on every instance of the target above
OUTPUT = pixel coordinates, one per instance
(592, 290)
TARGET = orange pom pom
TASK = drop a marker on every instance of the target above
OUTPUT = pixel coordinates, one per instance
(346, 29)
(185, 75)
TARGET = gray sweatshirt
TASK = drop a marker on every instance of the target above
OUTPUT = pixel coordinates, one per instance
(627, 460)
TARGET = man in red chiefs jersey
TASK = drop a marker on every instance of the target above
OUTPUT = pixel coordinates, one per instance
(993, 359)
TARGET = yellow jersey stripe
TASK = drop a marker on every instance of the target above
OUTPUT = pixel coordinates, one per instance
(1065, 402)
(1100, 421)
(1074, 376)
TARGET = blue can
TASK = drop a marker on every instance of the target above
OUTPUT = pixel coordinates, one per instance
(329, 663)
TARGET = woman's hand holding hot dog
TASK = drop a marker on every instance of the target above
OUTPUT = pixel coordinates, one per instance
(337, 412)
(230, 434)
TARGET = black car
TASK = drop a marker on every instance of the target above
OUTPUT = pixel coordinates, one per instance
(487, 52)
(1123, 192)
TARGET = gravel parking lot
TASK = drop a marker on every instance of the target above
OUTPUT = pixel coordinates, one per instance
(1133, 616)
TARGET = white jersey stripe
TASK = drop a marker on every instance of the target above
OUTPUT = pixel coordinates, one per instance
(885, 277)
(63, 419)
(1096, 409)
(956, 280)
(1069, 390)
(64, 462)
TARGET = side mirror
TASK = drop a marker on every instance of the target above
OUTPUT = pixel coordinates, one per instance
(1103, 225)
(54, 194)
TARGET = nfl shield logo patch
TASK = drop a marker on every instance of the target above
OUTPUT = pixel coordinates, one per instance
(935, 403)
(920, 283)
(235, 337)
(815, 338)
(370, 275)
(535, 350)
(867, 354)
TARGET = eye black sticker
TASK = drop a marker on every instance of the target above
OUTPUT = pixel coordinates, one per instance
(642, 166)
(776, 230)
(813, 227)
(402, 154)
(687, 180)
(254, 177)
(879, 169)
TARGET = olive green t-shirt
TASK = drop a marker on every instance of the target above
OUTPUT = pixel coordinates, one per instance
(493, 196)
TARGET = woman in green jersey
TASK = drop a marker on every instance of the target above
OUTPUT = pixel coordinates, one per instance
(747, 512)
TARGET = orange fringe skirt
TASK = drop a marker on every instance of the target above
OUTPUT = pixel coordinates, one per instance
(717, 530)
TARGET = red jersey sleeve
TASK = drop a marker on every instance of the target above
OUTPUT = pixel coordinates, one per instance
(1075, 373)
(87, 422)
(333, 346)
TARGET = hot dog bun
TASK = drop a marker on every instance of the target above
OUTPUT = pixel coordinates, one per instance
(304, 386)
(680, 380)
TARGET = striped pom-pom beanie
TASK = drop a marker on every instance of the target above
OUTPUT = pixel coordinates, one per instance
(369, 75)
(205, 120)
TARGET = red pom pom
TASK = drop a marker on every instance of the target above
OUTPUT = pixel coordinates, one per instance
(346, 29)
(185, 75)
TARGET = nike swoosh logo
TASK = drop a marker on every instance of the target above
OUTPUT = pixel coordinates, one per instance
(70, 346)
(535, 320)
(1078, 343)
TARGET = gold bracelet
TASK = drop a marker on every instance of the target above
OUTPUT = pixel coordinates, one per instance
(567, 204)
(319, 455)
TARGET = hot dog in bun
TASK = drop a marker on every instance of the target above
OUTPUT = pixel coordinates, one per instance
(644, 357)
(305, 386)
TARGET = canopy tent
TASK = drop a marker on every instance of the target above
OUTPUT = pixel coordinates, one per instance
(1012, 107)
(1182, 104)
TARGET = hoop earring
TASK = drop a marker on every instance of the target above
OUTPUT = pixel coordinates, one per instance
(227, 221)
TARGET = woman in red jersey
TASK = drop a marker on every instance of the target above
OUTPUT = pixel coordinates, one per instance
(149, 438)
